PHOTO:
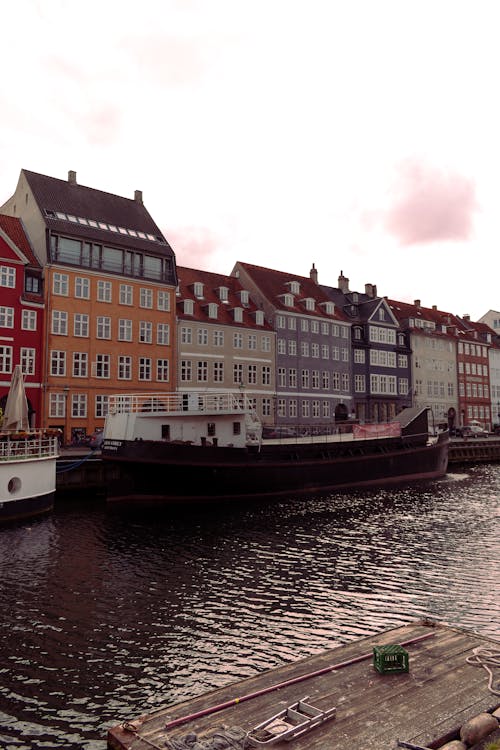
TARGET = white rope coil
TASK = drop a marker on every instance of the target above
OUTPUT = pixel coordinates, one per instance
(488, 658)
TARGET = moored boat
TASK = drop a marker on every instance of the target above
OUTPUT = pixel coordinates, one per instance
(208, 447)
(27, 460)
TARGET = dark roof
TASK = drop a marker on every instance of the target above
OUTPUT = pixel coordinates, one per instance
(273, 284)
(54, 195)
(187, 277)
(358, 311)
(13, 228)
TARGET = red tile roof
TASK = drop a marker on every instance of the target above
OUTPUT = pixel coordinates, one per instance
(13, 227)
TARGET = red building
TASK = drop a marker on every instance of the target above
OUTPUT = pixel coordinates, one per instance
(21, 314)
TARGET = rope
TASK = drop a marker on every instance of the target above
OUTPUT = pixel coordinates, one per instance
(226, 738)
(487, 658)
(76, 464)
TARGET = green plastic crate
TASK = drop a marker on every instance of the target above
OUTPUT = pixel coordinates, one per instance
(390, 659)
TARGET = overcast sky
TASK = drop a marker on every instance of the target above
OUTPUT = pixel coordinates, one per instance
(360, 135)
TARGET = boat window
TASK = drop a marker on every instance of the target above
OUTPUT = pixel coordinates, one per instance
(236, 428)
(165, 432)
(211, 429)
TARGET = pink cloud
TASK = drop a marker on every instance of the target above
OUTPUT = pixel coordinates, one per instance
(431, 205)
(168, 60)
(194, 246)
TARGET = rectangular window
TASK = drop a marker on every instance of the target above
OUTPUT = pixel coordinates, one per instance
(186, 335)
(124, 368)
(82, 287)
(5, 359)
(292, 347)
(281, 377)
(103, 327)
(252, 341)
(265, 343)
(57, 362)
(218, 338)
(281, 407)
(101, 405)
(186, 371)
(60, 284)
(126, 294)
(162, 370)
(292, 377)
(326, 410)
(163, 334)
(57, 405)
(266, 407)
(202, 371)
(102, 366)
(314, 326)
(163, 301)
(6, 317)
(336, 381)
(305, 379)
(238, 340)
(28, 322)
(359, 356)
(81, 325)
(345, 382)
(305, 409)
(202, 336)
(218, 369)
(104, 291)
(335, 353)
(59, 322)
(325, 380)
(80, 364)
(146, 298)
(124, 329)
(266, 375)
(281, 346)
(359, 384)
(315, 379)
(315, 409)
(28, 360)
(325, 351)
(304, 348)
(145, 368)
(79, 405)
(8, 277)
(145, 332)
(252, 374)
(237, 374)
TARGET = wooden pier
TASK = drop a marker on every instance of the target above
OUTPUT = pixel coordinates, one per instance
(424, 707)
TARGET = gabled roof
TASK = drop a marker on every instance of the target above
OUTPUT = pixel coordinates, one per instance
(273, 285)
(13, 228)
(407, 311)
(212, 282)
(54, 196)
(358, 307)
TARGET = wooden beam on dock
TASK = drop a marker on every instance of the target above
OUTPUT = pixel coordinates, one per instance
(424, 707)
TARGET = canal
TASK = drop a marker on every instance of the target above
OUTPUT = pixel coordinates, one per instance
(106, 615)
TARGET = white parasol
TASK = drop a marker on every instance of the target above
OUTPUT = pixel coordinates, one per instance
(16, 408)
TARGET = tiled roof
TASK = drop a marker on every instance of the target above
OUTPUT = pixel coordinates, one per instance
(13, 227)
(212, 282)
(273, 285)
(54, 195)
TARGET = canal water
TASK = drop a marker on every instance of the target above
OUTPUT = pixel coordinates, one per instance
(105, 616)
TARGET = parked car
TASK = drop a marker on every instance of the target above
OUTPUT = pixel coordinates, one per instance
(473, 429)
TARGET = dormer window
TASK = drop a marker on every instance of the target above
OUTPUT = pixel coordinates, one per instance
(357, 333)
(223, 293)
(294, 287)
(198, 289)
(244, 297)
(355, 298)
(213, 310)
(381, 314)
(188, 307)
(288, 300)
(238, 315)
(328, 307)
(309, 303)
(259, 317)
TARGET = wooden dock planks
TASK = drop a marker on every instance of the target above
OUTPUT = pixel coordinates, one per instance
(440, 692)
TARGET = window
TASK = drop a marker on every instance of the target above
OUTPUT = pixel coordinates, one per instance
(126, 294)
(218, 338)
(213, 311)
(325, 380)
(345, 382)
(103, 327)
(314, 326)
(335, 353)
(315, 350)
(146, 298)
(7, 277)
(5, 359)
(124, 329)
(162, 370)
(315, 409)
(281, 346)
(265, 343)
(57, 405)
(326, 410)
(6, 317)
(186, 370)
(186, 335)
(238, 314)
(59, 323)
(292, 324)
(336, 381)
(188, 307)
(202, 336)
(80, 364)
(266, 375)
(124, 368)
(281, 407)
(304, 348)
(325, 351)
(305, 409)
(163, 334)
(292, 347)
(252, 374)
(281, 377)
(218, 369)
(101, 405)
(315, 379)
(238, 340)
(359, 384)
(198, 289)
(28, 322)
(202, 371)
(82, 288)
(27, 360)
(304, 325)
(252, 341)
(163, 301)
(145, 332)
(280, 321)
(359, 356)
(57, 362)
(237, 374)
(145, 368)
(60, 284)
(305, 379)
(81, 325)
(104, 291)
(292, 377)
(102, 365)
(325, 329)
(266, 407)
(79, 405)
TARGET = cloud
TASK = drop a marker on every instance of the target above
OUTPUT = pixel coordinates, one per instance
(194, 247)
(430, 205)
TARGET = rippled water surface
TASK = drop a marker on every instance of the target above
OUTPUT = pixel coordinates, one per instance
(105, 616)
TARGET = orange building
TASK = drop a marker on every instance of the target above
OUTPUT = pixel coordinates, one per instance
(109, 282)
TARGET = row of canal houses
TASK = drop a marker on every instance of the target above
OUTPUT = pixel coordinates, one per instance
(92, 303)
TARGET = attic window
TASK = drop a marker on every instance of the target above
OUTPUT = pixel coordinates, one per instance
(294, 287)
(329, 307)
(244, 297)
(288, 300)
(223, 293)
(309, 303)
(188, 307)
(238, 314)
(381, 314)
(259, 317)
(198, 289)
(213, 310)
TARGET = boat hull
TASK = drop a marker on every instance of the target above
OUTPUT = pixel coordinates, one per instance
(27, 488)
(152, 472)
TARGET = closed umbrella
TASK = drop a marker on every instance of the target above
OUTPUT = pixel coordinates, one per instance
(16, 408)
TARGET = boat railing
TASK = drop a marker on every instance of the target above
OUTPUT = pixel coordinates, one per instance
(161, 403)
(29, 444)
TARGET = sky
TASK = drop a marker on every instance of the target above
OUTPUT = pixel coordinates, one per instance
(358, 135)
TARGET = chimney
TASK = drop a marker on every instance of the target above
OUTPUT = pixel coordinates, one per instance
(138, 196)
(313, 274)
(417, 303)
(72, 177)
(371, 290)
(435, 307)
(466, 317)
(343, 283)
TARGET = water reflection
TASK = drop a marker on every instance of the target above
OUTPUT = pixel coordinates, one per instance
(106, 616)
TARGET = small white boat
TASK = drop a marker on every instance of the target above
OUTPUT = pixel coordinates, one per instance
(27, 459)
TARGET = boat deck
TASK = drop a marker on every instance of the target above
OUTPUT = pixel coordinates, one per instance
(425, 706)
